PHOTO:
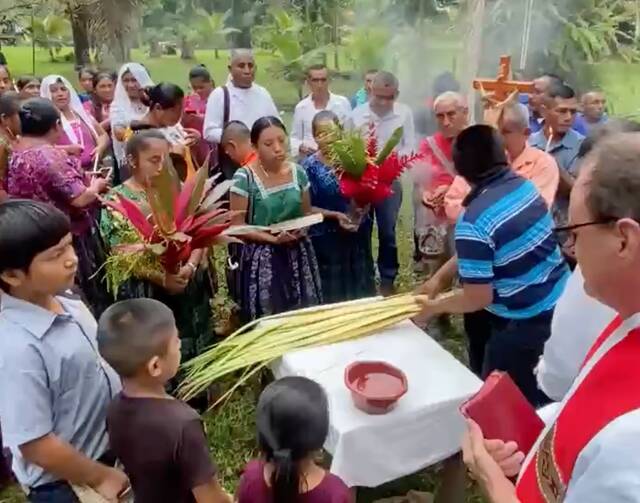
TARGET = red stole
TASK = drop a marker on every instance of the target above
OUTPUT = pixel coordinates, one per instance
(608, 391)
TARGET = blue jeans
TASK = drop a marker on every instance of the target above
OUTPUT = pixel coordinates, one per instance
(386, 218)
(54, 492)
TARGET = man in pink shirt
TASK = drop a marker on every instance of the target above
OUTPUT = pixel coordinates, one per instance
(433, 178)
(529, 162)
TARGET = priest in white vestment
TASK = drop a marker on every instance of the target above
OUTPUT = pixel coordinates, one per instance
(588, 453)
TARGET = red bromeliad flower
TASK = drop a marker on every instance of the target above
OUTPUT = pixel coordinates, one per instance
(367, 177)
(182, 219)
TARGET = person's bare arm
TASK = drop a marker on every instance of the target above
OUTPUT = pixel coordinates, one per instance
(211, 492)
(59, 458)
(306, 203)
(441, 280)
(89, 196)
(102, 142)
(472, 298)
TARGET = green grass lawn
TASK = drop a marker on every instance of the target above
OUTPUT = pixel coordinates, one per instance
(173, 69)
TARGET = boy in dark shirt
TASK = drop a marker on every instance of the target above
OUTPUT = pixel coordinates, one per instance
(159, 440)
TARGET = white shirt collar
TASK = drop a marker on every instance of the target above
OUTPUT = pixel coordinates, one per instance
(368, 113)
(308, 101)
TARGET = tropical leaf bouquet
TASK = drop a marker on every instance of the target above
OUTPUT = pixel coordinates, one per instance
(366, 173)
(176, 220)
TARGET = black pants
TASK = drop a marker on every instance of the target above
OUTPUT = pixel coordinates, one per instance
(512, 346)
(60, 491)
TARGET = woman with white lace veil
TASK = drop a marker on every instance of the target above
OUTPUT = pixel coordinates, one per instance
(82, 137)
(127, 107)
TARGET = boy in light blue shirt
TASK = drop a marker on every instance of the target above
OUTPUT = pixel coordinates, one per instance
(54, 387)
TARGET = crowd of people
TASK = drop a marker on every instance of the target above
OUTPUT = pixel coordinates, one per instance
(499, 208)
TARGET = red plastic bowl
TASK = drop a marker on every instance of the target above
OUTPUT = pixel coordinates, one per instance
(375, 387)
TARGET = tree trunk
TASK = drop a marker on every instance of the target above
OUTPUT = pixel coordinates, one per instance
(80, 30)
(240, 39)
(155, 50)
(217, 53)
(187, 50)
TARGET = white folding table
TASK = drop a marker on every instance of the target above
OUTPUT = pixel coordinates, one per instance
(424, 428)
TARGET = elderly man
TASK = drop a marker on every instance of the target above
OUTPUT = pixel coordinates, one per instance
(508, 261)
(588, 453)
(564, 354)
(526, 161)
(319, 99)
(559, 139)
(433, 178)
(240, 99)
(386, 115)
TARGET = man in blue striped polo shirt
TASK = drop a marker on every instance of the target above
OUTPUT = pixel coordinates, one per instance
(509, 263)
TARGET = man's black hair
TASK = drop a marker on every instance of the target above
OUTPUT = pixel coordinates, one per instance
(133, 331)
(316, 67)
(28, 228)
(560, 90)
(478, 153)
(235, 130)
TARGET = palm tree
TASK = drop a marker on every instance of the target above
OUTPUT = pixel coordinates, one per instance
(213, 29)
(113, 25)
(51, 33)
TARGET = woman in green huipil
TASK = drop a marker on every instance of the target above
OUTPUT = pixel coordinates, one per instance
(189, 292)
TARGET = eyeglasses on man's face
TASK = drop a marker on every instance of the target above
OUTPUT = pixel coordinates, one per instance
(567, 235)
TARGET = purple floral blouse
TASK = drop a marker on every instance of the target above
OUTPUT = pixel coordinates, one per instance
(49, 175)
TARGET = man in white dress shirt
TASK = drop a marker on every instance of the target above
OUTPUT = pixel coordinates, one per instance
(386, 114)
(319, 99)
(241, 99)
(588, 453)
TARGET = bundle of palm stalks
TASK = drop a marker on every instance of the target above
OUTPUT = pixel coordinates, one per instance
(254, 346)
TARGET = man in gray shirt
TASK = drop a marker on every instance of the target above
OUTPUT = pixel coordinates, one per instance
(54, 386)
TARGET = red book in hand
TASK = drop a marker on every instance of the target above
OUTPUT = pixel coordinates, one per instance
(502, 412)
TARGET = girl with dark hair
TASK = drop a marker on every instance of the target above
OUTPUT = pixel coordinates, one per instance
(277, 272)
(9, 131)
(293, 423)
(28, 87)
(40, 171)
(164, 102)
(101, 98)
(82, 137)
(343, 250)
(187, 293)
(202, 86)
(85, 77)
(6, 84)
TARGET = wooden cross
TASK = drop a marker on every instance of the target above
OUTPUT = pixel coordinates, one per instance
(499, 92)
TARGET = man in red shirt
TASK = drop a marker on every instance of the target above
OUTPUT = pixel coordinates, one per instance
(432, 181)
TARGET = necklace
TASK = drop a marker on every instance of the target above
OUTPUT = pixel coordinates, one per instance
(264, 171)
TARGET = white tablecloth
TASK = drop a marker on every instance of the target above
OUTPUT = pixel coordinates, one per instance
(423, 429)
